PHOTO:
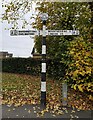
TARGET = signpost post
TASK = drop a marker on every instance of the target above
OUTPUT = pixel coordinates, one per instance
(44, 17)
(45, 33)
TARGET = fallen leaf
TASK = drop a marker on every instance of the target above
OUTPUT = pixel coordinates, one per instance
(9, 110)
(29, 111)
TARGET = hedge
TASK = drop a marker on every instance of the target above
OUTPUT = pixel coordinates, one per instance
(33, 66)
(21, 65)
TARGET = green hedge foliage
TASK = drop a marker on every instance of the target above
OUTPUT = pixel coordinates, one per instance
(32, 66)
(21, 65)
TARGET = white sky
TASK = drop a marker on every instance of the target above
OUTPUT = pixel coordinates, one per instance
(0, 27)
(20, 46)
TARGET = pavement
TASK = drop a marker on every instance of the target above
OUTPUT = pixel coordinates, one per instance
(30, 112)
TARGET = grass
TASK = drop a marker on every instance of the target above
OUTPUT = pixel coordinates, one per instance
(20, 89)
(25, 89)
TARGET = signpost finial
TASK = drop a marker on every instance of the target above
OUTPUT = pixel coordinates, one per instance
(44, 16)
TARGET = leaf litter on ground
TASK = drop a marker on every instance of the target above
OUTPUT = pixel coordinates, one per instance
(19, 90)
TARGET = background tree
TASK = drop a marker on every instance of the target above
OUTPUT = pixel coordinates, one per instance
(15, 11)
(74, 52)
(63, 16)
(91, 8)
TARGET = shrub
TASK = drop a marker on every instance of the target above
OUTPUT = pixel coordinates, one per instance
(80, 72)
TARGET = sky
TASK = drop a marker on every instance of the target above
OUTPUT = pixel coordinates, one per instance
(0, 27)
(19, 46)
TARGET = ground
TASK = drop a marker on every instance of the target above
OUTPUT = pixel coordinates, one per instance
(20, 90)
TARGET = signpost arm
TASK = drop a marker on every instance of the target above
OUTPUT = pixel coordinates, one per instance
(43, 72)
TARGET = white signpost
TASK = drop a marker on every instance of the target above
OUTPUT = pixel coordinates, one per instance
(24, 32)
(45, 33)
(62, 32)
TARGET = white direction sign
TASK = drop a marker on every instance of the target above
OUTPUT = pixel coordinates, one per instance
(62, 32)
(47, 32)
(24, 32)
